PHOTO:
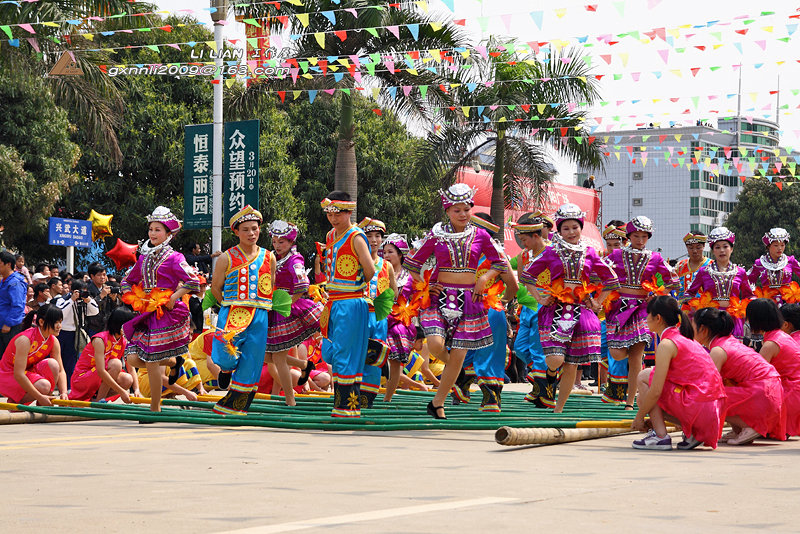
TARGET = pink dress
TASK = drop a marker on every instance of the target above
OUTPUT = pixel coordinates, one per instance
(36, 369)
(796, 335)
(787, 363)
(693, 390)
(723, 285)
(756, 395)
(85, 379)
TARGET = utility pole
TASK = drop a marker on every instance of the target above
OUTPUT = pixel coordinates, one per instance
(219, 17)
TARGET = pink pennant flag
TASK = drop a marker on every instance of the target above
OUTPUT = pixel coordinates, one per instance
(294, 73)
(664, 54)
(276, 41)
(635, 76)
(352, 11)
(761, 44)
(329, 91)
(357, 76)
(652, 3)
(482, 51)
(406, 90)
(571, 106)
(173, 45)
(26, 27)
(355, 60)
(395, 30)
(507, 21)
(606, 58)
(33, 43)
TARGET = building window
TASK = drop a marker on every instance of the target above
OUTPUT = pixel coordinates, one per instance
(637, 202)
(638, 175)
(694, 180)
(694, 206)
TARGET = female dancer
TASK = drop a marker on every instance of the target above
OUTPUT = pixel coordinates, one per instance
(774, 270)
(722, 279)
(401, 336)
(31, 366)
(100, 367)
(628, 335)
(160, 337)
(683, 387)
(568, 325)
(783, 352)
(456, 317)
(753, 386)
(285, 333)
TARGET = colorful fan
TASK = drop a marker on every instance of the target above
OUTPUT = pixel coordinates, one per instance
(209, 300)
(526, 299)
(281, 302)
(383, 304)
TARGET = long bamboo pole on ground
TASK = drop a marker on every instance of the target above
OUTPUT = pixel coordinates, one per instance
(551, 436)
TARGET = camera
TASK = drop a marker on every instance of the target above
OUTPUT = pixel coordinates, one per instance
(84, 294)
(116, 290)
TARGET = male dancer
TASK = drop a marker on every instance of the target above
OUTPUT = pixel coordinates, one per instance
(345, 320)
(489, 363)
(377, 347)
(687, 268)
(530, 229)
(243, 280)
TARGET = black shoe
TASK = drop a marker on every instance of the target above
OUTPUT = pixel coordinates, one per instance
(433, 411)
(175, 370)
(224, 380)
(306, 374)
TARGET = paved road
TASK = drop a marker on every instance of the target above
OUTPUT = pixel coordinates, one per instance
(124, 477)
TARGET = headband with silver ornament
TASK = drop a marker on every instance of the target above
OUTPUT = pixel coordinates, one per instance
(283, 229)
(721, 234)
(693, 239)
(164, 216)
(639, 224)
(457, 194)
(372, 225)
(335, 206)
(614, 232)
(775, 234)
(398, 240)
(528, 227)
(569, 211)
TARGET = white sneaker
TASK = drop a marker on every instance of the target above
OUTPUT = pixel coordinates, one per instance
(652, 442)
(745, 437)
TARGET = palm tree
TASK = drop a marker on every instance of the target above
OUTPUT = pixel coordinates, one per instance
(93, 98)
(361, 43)
(511, 126)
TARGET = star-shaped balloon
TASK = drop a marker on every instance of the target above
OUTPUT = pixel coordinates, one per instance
(123, 254)
(101, 225)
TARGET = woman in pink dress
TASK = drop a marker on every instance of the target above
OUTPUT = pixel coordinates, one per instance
(791, 320)
(31, 365)
(684, 387)
(100, 368)
(782, 352)
(753, 386)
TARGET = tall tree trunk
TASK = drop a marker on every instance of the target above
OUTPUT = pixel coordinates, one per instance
(498, 197)
(346, 171)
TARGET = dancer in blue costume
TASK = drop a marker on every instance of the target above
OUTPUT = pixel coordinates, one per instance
(243, 283)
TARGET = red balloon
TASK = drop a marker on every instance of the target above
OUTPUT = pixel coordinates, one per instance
(123, 254)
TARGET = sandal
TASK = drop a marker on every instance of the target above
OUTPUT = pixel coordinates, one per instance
(433, 411)
(174, 371)
(306, 374)
(629, 407)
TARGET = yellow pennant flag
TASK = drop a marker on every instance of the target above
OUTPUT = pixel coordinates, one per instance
(412, 72)
(375, 92)
(465, 110)
(617, 154)
(624, 56)
(88, 36)
(435, 26)
(320, 37)
(422, 5)
(541, 107)
(561, 12)
(303, 18)
(296, 94)
(436, 54)
(212, 44)
(677, 73)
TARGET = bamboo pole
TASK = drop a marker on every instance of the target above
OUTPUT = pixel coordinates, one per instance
(550, 436)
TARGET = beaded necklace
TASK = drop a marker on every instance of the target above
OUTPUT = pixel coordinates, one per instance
(774, 270)
(635, 261)
(152, 262)
(459, 244)
(723, 280)
(572, 258)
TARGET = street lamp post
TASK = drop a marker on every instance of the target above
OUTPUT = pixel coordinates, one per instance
(219, 17)
(600, 210)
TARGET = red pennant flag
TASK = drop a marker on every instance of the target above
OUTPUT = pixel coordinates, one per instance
(591, 139)
(695, 70)
(780, 185)
(166, 28)
(591, 7)
(526, 108)
(282, 94)
(284, 19)
(460, 22)
(378, 112)
(342, 35)
(563, 131)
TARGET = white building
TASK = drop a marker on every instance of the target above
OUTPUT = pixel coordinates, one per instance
(650, 176)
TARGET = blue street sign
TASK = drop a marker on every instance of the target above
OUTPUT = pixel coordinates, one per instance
(70, 232)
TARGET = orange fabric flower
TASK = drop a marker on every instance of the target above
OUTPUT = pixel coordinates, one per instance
(766, 292)
(654, 287)
(614, 295)
(422, 291)
(705, 300)
(738, 307)
(316, 293)
(403, 311)
(143, 302)
(561, 293)
(492, 298)
(791, 293)
(586, 290)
